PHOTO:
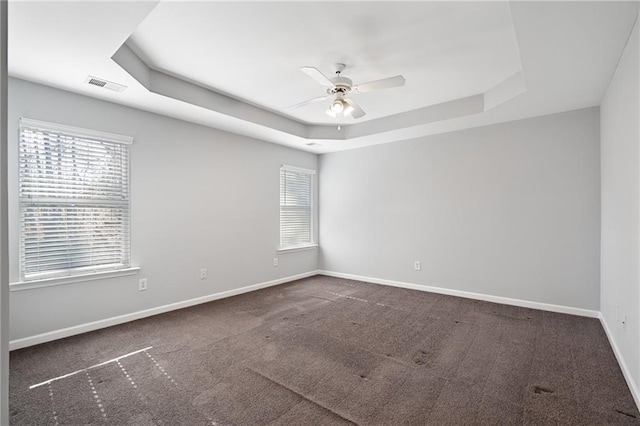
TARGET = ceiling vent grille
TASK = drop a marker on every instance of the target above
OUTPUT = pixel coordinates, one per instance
(99, 82)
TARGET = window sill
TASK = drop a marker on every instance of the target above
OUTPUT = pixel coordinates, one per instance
(70, 279)
(297, 248)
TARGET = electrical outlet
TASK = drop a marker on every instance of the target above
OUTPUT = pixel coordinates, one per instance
(417, 265)
(275, 261)
(142, 284)
(203, 274)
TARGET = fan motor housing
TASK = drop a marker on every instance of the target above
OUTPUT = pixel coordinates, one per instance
(341, 85)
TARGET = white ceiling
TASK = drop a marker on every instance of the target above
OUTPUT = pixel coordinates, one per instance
(235, 65)
(254, 51)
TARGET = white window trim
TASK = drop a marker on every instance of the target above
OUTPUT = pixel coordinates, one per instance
(88, 273)
(75, 131)
(70, 279)
(298, 169)
(298, 248)
(313, 244)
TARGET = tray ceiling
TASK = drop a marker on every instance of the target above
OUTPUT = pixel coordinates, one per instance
(235, 65)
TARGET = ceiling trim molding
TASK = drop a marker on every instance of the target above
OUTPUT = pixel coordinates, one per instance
(178, 88)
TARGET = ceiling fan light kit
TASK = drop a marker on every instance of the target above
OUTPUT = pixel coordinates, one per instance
(337, 106)
(339, 86)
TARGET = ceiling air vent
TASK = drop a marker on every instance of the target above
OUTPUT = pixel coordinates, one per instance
(95, 81)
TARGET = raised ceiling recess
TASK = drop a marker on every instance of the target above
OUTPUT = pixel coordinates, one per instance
(251, 53)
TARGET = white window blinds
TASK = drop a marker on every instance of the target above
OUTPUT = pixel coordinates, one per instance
(296, 207)
(74, 200)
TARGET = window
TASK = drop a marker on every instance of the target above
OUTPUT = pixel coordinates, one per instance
(74, 200)
(296, 207)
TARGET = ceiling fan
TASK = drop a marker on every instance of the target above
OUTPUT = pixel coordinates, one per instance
(339, 87)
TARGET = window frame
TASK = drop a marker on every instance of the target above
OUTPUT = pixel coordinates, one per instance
(82, 273)
(312, 210)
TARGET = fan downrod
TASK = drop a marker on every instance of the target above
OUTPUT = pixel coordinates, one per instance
(342, 85)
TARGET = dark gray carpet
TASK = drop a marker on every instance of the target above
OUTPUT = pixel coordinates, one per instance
(327, 351)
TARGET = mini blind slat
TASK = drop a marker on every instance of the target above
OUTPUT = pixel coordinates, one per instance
(296, 207)
(48, 257)
(74, 201)
(67, 262)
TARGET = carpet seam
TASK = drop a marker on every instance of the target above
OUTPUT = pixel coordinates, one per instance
(303, 397)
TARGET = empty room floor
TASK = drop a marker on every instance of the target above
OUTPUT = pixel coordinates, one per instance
(328, 351)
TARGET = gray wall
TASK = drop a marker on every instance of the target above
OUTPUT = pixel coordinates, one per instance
(620, 139)
(510, 210)
(201, 198)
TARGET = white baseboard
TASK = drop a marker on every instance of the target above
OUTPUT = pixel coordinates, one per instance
(633, 386)
(469, 295)
(95, 325)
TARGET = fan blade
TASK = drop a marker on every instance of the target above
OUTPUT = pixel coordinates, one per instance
(317, 76)
(356, 111)
(307, 102)
(385, 83)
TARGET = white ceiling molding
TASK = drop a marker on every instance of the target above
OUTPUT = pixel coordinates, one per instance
(508, 89)
(182, 90)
